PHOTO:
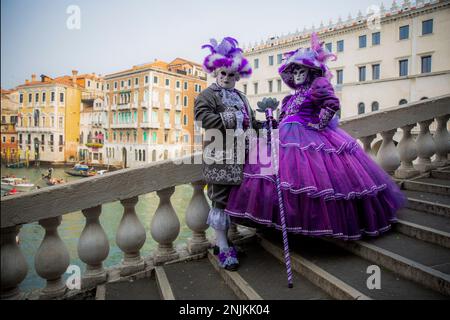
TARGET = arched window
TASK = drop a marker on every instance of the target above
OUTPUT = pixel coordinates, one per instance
(375, 106)
(361, 108)
(135, 154)
(403, 101)
(140, 155)
(143, 155)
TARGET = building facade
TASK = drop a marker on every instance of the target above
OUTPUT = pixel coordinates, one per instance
(49, 118)
(8, 136)
(400, 55)
(93, 119)
(151, 112)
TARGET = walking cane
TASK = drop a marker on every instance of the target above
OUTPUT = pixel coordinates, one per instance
(268, 106)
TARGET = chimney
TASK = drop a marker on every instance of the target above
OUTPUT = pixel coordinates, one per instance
(33, 77)
(27, 81)
(74, 77)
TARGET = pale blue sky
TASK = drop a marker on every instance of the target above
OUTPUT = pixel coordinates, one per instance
(116, 34)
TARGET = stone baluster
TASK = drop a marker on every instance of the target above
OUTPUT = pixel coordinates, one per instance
(130, 238)
(165, 228)
(52, 259)
(196, 216)
(367, 145)
(388, 157)
(14, 267)
(233, 232)
(93, 248)
(441, 139)
(408, 152)
(425, 147)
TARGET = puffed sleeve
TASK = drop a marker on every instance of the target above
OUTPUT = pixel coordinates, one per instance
(322, 94)
(204, 111)
(284, 106)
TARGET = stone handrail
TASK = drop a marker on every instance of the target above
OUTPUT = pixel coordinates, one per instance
(396, 117)
(88, 195)
(118, 185)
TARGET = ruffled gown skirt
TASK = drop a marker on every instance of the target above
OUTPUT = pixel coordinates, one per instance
(330, 186)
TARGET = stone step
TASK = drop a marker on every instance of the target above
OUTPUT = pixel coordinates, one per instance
(339, 265)
(431, 185)
(425, 263)
(197, 280)
(440, 174)
(424, 226)
(140, 289)
(264, 277)
(428, 202)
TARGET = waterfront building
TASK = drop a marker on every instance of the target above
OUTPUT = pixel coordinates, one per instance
(49, 118)
(8, 137)
(151, 111)
(397, 56)
(93, 119)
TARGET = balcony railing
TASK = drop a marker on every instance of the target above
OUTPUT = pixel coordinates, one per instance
(131, 125)
(127, 184)
(167, 106)
(124, 106)
(38, 129)
(151, 125)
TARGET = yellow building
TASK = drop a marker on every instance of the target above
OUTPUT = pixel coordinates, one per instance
(49, 118)
(151, 111)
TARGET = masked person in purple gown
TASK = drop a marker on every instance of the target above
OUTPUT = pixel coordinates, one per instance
(330, 186)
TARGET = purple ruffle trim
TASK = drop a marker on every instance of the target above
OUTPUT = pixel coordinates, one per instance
(314, 233)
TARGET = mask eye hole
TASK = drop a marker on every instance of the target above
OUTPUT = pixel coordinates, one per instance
(223, 73)
(231, 75)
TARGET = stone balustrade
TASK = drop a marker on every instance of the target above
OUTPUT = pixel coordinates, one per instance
(52, 258)
(408, 158)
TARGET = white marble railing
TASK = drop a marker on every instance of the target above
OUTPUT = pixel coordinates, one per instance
(52, 257)
(410, 156)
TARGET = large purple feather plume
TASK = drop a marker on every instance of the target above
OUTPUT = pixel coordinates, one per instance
(226, 54)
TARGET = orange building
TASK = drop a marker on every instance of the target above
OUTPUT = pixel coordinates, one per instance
(151, 111)
(8, 137)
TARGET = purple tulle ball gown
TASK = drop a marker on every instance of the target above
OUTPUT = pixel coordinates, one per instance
(330, 186)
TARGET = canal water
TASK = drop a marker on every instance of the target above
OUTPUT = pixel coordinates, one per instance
(72, 224)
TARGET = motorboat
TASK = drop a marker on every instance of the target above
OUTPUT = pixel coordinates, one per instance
(20, 184)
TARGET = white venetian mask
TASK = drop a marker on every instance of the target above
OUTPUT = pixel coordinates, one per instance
(300, 74)
(227, 79)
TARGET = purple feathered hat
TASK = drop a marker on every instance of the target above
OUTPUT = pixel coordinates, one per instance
(227, 55)
(314, 58)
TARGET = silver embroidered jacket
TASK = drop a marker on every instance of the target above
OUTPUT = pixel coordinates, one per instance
(221, 167)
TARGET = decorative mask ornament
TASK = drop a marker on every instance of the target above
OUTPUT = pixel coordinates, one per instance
(300, 74)
(314, 59)
(226, 57)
